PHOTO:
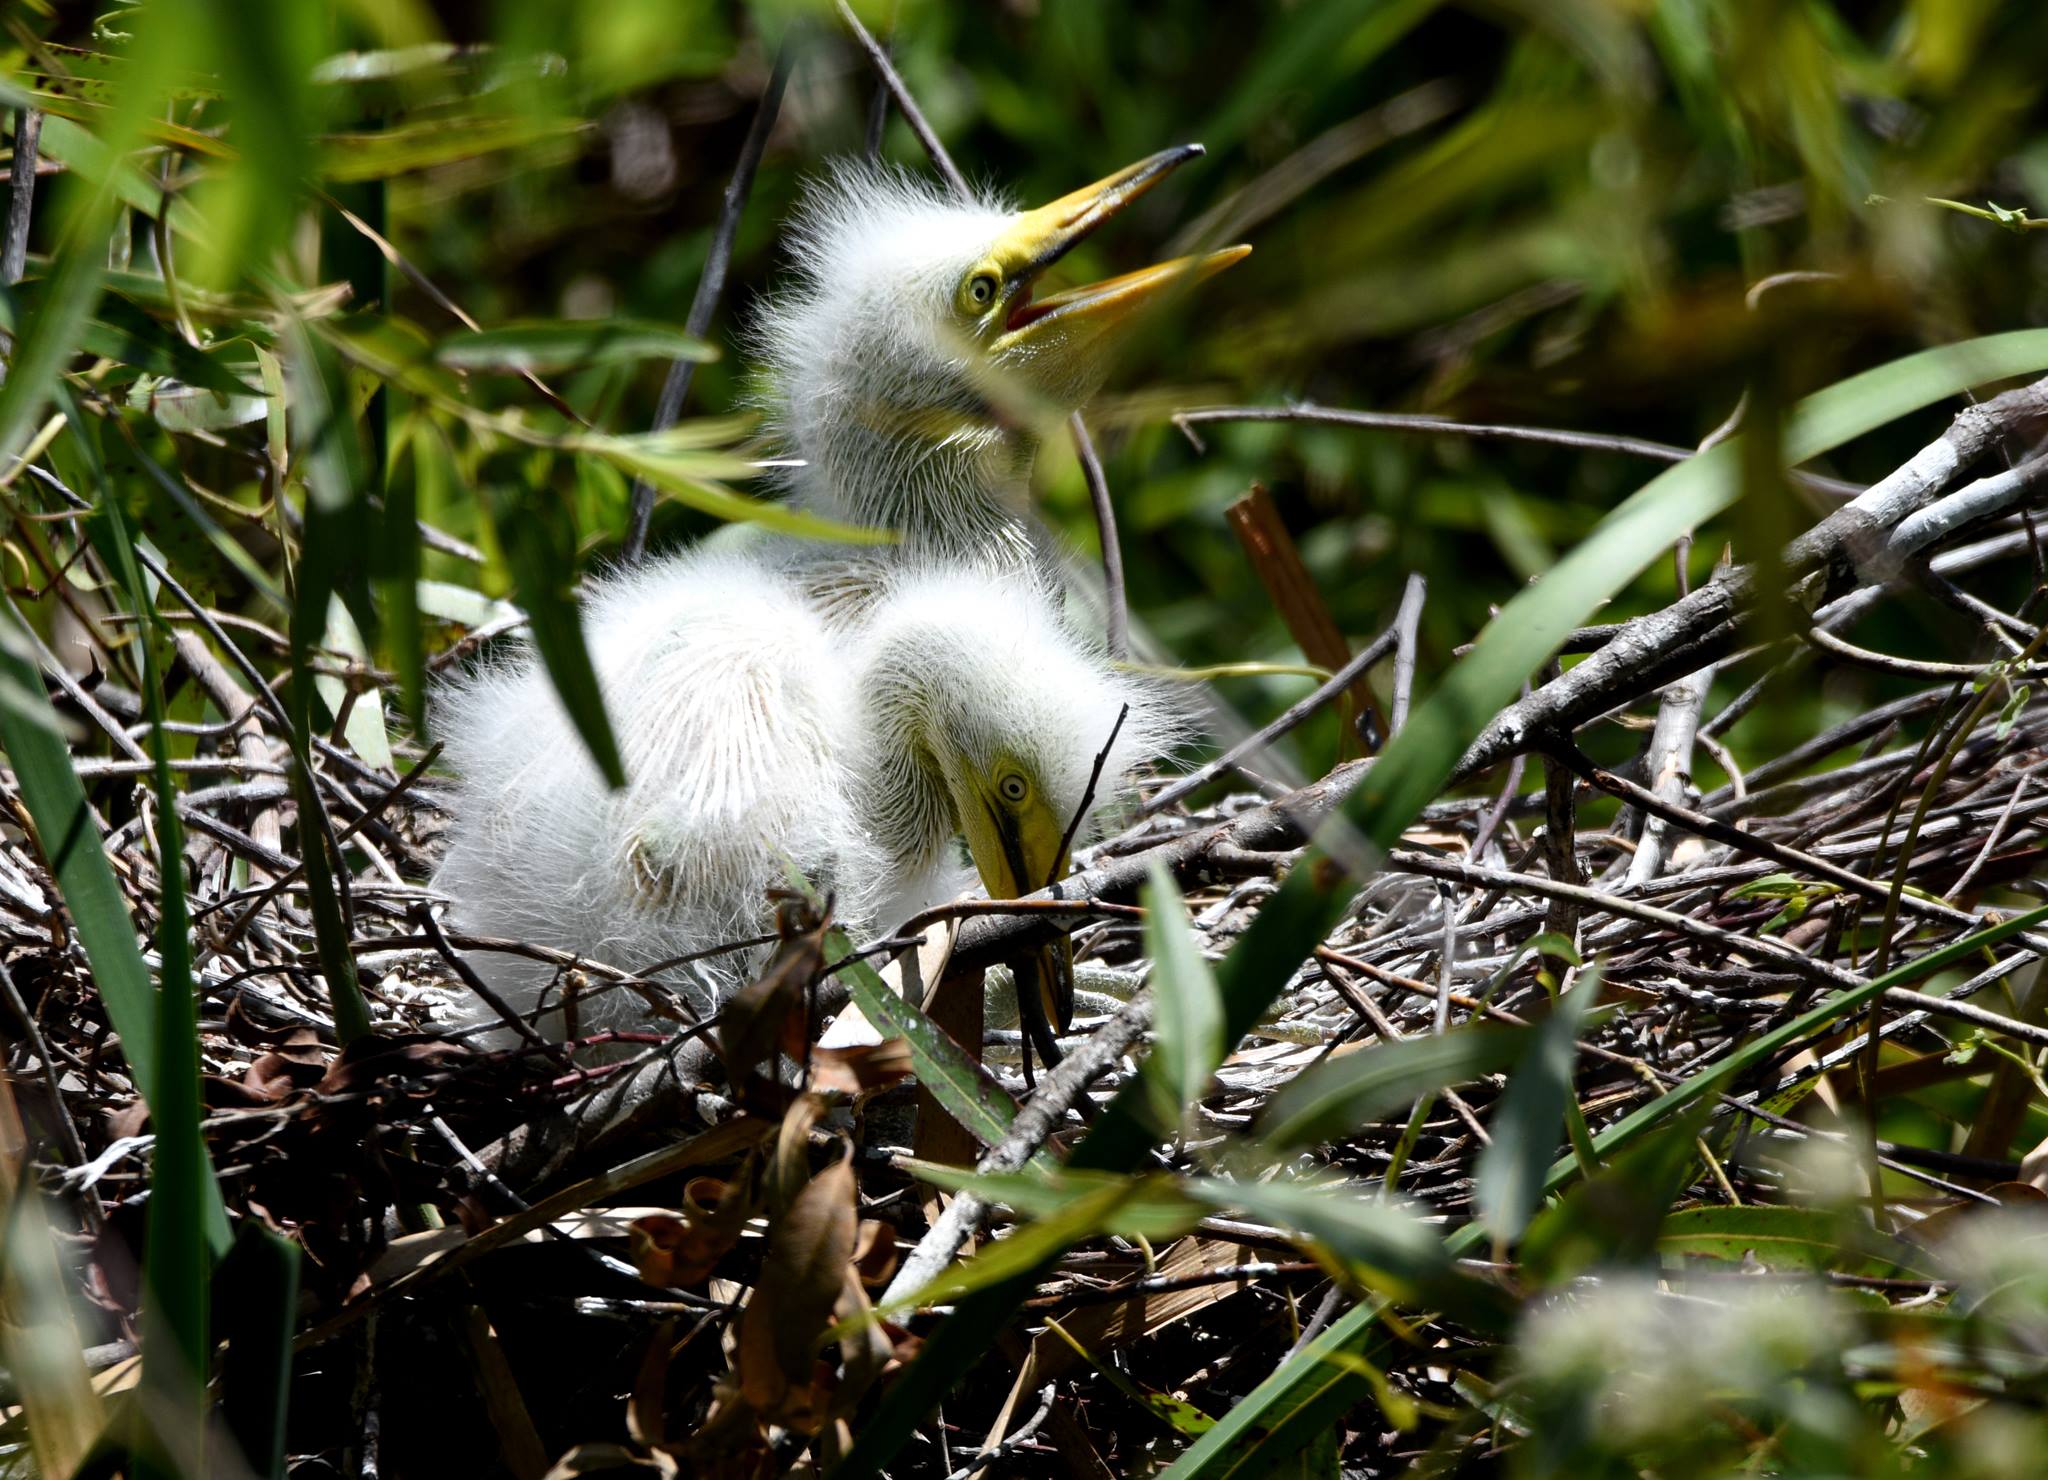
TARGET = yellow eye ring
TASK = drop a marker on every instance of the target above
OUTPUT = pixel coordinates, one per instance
(1013, 788)
(981, 289)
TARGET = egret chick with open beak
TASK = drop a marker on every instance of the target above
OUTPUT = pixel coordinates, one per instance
(914, 365)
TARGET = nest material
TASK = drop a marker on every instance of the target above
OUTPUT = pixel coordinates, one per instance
(1919, 812)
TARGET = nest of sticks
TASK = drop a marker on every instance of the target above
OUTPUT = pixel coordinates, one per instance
(623, 1223)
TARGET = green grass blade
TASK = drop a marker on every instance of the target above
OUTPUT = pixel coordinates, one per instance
(52, 334)
(336, 541)
(1336, 1097)
(963, 1087)
(256, 1377)
(1187, 1012)
(543, 345)
(538, 535)
(39, 1340)
(187, 1226)
(70, 839)
(1524, 1126)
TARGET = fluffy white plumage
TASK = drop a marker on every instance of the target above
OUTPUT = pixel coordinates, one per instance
(843, 713)
(872, 380)
(758, 737)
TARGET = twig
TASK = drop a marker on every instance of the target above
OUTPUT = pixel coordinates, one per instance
(262, 896)
(1654, 649)
(1088, 792)
(1760, 847)
(1116, 616)
(1285, 721)
(1058, 1091)
(28, 134)
(905, 103)
(31, 1029)
(1024, 1431)
(675, 390)
(1256, 522)
(1669, 766)
(878, 115)
(1407, 631)
(423, 917)
(1397, 421)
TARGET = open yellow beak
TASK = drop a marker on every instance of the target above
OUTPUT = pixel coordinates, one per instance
(1019, 854)
(1068, 321)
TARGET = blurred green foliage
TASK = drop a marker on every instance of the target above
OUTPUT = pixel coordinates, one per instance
(1537, 213)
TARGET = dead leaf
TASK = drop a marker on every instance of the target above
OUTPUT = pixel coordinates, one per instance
(861, 1068)
(590, 1459)
(874, 1252)
(298, 1063)
(647, 1408)
(802, 1277)
(789, 1164)
(768, 1015)
(677, 1252)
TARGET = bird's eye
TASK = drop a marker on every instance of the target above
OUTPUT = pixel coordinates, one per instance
(1013, 788)
(981, 289)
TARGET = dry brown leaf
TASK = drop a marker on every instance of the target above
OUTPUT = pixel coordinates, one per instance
(590, 1459)
(861, 1068)
(767, 1015)
(680, 1251)
(647, 1407)
(805, 1269)
(874, 1253)
(789, 1163)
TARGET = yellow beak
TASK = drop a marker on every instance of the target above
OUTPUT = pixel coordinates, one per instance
(1067, 322)
(1017, 854)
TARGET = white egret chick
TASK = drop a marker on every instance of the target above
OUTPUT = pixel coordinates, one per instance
(757, 737)
(912, 368)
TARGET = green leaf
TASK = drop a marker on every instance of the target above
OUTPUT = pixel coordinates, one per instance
(364, 730)
(119, 330)
(70, 841)
(538, 536)
(1612, 1219)
(186, 1222)
(958, 1082)
(52, 333)
(1187, 1013)
(2014, 708)
(177, 407)
(256, 1377)
(1182, 1417)
(378, 154)
(541, 345)
(1778, 1238)
(1358, 1226)
(1772, 886)
(334, 555)
(689, 477)
(1335, 1098)
(1524, 1126)
(1031, 1245)
(1383, 1246)
(1158, 1211)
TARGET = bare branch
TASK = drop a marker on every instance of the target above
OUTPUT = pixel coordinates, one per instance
(912, 115)
(710, 289)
